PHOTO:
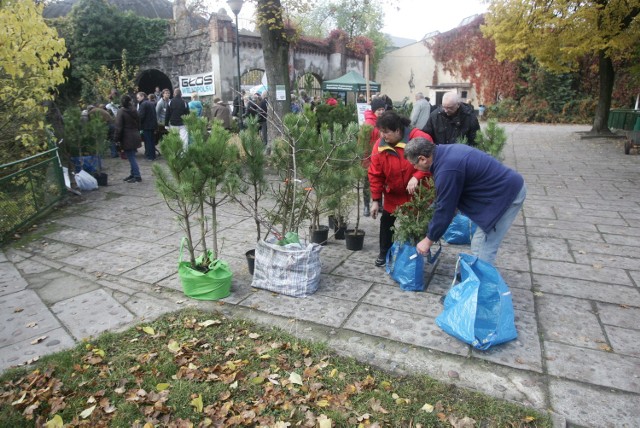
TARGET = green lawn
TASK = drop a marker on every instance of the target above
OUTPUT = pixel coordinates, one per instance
(195, 368)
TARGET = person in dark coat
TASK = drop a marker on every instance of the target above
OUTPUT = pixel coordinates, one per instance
(178, 107)
(148, 125)
(220, 112)
(127, 135)
(453, 121)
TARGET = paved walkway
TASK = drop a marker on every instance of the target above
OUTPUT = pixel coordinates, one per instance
(108, 260)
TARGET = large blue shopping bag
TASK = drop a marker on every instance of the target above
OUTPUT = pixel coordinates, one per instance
(406, 266)
(460, 231)
(479, 310)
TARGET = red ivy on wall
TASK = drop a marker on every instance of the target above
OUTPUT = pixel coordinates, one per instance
(465, 52)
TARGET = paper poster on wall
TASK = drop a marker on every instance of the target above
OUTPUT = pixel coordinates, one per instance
(200, 83)
(281, 94)
(362, 107)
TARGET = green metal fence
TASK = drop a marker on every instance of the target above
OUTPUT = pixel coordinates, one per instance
(27, 188)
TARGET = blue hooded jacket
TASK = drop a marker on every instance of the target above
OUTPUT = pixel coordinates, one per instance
(473, 182)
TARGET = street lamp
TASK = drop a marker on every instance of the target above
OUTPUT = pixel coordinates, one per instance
(236, 7)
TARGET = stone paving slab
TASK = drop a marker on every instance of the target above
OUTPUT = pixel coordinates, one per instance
(602, 292)
(22, 352)
(571, 321)
(91, 313)
(591, 272)
(593, 366)
(409, 328)
(321, 309)
(589, 406)
(24, 317)
(10, 279)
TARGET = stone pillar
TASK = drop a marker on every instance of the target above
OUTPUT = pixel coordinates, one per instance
(181, 18)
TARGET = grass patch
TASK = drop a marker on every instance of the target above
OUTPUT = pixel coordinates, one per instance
(200, 368)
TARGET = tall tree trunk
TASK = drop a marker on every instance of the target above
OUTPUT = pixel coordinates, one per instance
(607, 76)
(275, 47)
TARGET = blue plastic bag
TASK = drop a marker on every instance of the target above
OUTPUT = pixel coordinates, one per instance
(479, 310)
(406, 266)
(460, 231)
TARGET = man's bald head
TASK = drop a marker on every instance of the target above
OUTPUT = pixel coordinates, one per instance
(450, 103)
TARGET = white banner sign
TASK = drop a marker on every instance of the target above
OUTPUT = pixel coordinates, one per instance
(200, 83)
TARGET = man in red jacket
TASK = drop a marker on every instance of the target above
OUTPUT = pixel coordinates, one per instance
(391, 177)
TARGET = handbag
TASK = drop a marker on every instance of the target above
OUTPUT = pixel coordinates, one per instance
(460, 231)
(479, 310)
(406, 266)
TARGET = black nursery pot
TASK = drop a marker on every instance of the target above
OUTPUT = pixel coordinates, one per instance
(320, 235)
(251, 260)
(340, 232)
(354, 242)
(102, 178)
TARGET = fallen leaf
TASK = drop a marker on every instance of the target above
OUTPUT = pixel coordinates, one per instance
(16, 310)
(376, 407)
(465, 422)
(149, 330)
(538, 293)
(324, 422)
(606, 348)
(19, 400)
(197, 403)
(87, 412)
(173, 346)
(55, 422)
(295, 378)
(162, 386)
(31, 324)
(253, 335)
(38, 340)
(91, 400)
(597, 266)
(207, 323)
(427, 408)
(623, 306)
(323, 403)
(179, 302)
(528, 419)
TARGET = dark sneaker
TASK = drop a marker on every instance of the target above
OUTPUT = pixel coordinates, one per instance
(380, 261)
(134, 180)
(127, 178)
(366, 212)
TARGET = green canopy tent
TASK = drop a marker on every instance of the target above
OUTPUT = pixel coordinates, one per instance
(350, 82)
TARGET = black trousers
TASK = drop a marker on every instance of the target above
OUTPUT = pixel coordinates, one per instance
(387, 220)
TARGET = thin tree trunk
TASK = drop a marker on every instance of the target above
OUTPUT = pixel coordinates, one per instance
(607, 76)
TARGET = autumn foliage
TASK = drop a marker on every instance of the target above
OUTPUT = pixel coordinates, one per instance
(465, 52)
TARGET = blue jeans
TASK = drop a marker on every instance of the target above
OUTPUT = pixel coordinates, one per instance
(149, 144)
(485, 245)
(131, 155)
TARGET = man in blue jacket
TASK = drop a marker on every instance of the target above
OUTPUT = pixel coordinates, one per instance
(478, 185)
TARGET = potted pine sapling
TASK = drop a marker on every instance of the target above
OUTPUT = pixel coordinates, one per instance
(354, 238)
(404, 264)
(284, 262)
(195, 178)
(252, 182)
(325, 165)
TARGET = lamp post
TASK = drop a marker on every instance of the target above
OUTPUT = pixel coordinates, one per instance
(236, 7)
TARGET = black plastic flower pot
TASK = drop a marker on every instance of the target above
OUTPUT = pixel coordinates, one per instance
(354, 241)
(251, 260)
(340, 232)
(320, 236)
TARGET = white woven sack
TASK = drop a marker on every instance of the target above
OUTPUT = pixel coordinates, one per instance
(291, 270)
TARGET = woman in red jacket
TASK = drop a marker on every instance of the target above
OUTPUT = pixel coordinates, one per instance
(392, 178)
(378, 106)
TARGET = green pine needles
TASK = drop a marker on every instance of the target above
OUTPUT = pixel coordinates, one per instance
(413, 217)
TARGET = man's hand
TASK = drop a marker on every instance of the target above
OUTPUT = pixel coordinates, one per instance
(374, 209)
(424, 246)
(411, 186)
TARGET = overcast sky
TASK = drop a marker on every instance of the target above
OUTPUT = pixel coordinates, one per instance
(415, 18)
(411, 19)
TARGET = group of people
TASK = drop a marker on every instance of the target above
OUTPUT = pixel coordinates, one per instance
(407, 150)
